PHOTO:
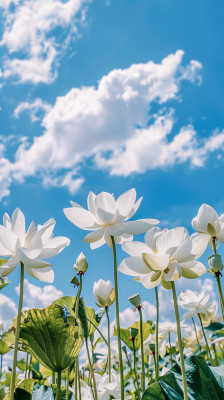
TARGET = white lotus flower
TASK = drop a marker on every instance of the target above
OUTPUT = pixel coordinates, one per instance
(151, 340)
(165, 256)
(190, 337)
(195, 303)
(167, 328)
(208, 225)
(213, 311)
(106, 389)
(104, 293)
(29, 247)
(108, 217)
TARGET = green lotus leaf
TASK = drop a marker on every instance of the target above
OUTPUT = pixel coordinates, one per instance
(4, 348)
(203, 382)
(2, 393)
(50, 339)
(3, 281)
(125, 334)
(28, 389)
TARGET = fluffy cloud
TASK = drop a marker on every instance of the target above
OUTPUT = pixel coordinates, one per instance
(113, 127)
(35, 296)
(33, 108)
(29, 30)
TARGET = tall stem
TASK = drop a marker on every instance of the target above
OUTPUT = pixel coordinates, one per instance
(171, 358)
(78, 297)
(117, 319)
(79, 381)
(219, 286)
(13, 376)
(179, 340)
(58, 386)
(98, 330)
(218, 281)
(157, 336)
(135, 369)
(142, 350)
(109, 349)
(196, 333)
(76, 379)
(67, 384)
(206, 342)
(92, 371)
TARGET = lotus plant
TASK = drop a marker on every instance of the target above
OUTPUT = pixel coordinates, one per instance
(174, 256)
(105, 294)
(27, 248)
(107, 219)
(210, 228)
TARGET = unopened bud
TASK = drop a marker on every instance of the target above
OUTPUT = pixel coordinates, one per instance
(81, 264)
(215, 262)
(133, 332)
(135, 300)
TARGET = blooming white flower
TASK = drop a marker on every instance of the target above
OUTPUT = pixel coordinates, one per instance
(151, 340)
(190, 338)
(29, 247)
(208, 225)
(167, 328)
(108, 217)
(165, 256)
(213, 311)
(81, 264)
(106, 389)
(104, 293)
(195, 303)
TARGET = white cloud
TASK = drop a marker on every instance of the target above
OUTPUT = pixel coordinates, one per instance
(112, 127)
(29, 30)
(37, 297)
(34, 108)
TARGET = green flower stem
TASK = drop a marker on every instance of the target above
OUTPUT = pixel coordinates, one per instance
(92, 371)
(76, 379)
(117, 319)
(67, 384)
(206, 342)
(179, 340)
(157, 336)
(78, 297)
(218, 281)
(98, 330)
(79, 380)
(171, 358)
(53, 377)
(135, 369)
(30, 367)
(27, 356)
(109, 349)
(196, 334)
(219, 286)
(142, 350)
(58, 386)
(13, 376)
(131, 371)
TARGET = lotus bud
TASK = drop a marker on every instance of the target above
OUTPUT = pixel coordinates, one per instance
(215, 262)
(104, 293)
(211, 229)
(81, 264)
(152, 347)
(135, 300)
(133, 332)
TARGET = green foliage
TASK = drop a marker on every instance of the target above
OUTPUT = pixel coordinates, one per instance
(3, 282)
(125, 334)
(28, 389)
(203, 382)
(4, 348)
(51, 340)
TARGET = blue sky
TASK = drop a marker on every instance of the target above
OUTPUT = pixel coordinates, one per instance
(83, 109)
